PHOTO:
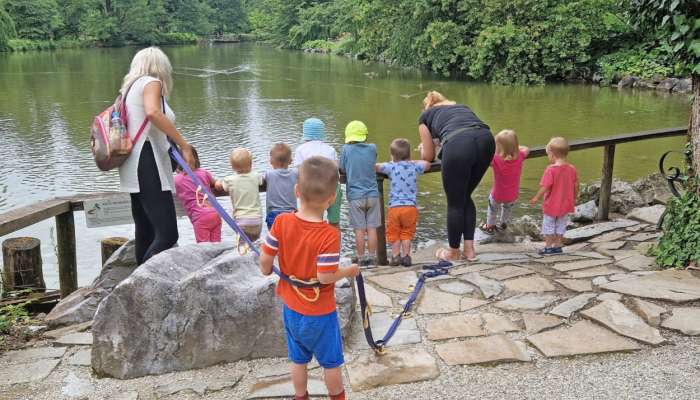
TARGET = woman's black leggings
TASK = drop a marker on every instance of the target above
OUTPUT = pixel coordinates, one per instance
(465, 160)
(153, 210)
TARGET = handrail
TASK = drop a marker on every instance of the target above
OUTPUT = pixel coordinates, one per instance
(62, 208)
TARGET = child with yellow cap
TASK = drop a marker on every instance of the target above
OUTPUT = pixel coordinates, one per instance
(357, 162)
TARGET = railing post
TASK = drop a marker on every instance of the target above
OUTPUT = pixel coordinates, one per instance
(381, 231)
(67, 264)
(606, 182)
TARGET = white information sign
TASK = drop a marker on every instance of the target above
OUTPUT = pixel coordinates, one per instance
(114, 210)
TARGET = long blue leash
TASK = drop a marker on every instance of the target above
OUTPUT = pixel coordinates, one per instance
(378, 346)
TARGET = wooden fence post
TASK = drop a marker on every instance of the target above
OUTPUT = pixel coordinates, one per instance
(21, 257)
(109, 245)
(381, 231)
(67, 264)
(606, 182)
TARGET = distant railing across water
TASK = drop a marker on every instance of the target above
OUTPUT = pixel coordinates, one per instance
(62, 208)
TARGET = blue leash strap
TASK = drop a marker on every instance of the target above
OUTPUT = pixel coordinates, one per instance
(431, 271)
(231, 222)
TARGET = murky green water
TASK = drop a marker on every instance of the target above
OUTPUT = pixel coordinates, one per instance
(253, 96)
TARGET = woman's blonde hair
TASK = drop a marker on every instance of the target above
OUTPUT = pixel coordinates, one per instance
(507, 146)
(433, 97)
(150, 61)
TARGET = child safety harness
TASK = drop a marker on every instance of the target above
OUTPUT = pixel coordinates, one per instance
(378, 346)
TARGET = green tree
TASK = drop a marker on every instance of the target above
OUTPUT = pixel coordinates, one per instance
(229, 16)
(190, 16)
(35, 19)
(7, 29)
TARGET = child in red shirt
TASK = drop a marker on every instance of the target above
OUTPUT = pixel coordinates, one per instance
(559, 186)
(309, 248)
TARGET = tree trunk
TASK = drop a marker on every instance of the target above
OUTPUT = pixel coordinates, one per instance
(22, 260)
(694, 129)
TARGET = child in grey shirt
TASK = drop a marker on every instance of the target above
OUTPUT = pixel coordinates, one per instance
(280, 182)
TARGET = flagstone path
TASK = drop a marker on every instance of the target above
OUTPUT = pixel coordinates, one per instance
(602, 296)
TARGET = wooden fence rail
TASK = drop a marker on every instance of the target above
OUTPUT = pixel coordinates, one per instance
(62, 208)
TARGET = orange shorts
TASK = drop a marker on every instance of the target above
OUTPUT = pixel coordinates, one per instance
(401, 223)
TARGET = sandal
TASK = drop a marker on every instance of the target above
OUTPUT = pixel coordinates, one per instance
(489, 229)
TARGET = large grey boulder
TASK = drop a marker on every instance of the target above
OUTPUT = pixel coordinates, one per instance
(667, 84)
(192, 307)
(80, 306)
(683, 86)
(623, 196)
(627, 82)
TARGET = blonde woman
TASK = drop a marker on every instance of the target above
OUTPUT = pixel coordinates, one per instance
(147, 173)
(464, 163)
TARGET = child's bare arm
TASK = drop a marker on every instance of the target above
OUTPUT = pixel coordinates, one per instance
(378, 167)
(525, 150)
(426, 165)
(266, 261)
(332, 277)
(577, 188)
(543, 190)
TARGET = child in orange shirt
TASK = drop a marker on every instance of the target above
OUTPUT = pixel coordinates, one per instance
(309, 248)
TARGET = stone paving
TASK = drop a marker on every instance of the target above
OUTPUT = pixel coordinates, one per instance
(513, 306)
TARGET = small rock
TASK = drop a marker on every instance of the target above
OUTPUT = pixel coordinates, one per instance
(458, 288)
(650, 312)
(32, 354)
(589, 273)
(488, 287)
(494, 323)
(526, 302)
(534, 284)
(618, 318)
(75, 339)
(650, 215)
(589, 231)
(585, 212)
(506, 272)
(599, 281)
(77, 387)
(572, 305)
(81, 358)
(576, 265)
(370, 371)
(627, 82)
(684, 319)
(455, 327)
(576, 285)
(610, 296)
(535, 323)
(583, 337)
(490, 349)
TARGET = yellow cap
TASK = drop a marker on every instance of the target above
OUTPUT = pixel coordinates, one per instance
(356, 131)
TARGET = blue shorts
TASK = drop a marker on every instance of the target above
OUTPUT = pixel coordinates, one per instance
(272, 215)
(313, 336)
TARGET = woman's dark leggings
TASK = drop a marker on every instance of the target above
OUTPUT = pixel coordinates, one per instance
(153, 210)
(465, 160)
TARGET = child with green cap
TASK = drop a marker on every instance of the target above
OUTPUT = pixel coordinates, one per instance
(314, 134)
(357, 162)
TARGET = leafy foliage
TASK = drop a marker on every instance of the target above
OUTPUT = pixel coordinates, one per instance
(679, 25)
(680, 243)
(57, 23)
(637, 62)
(11, 315)
(7, 29)
(507, 41)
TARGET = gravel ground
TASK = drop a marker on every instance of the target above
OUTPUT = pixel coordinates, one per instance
(666, 372)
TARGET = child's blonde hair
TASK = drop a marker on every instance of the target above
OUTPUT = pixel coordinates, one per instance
(507, 146)
(281, 155)
(558, 146)
(241, 160)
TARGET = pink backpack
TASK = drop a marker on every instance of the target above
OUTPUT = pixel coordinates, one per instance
(111, 143)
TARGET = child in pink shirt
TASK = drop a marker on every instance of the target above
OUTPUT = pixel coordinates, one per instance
(205, 220)
(559, 186)
(507, 165)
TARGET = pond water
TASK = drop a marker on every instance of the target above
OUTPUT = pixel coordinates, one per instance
(254, 96)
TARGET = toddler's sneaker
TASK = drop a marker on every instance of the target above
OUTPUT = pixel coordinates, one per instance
(548, 251)
(406, 261)
(368, 262)
(395, 261)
